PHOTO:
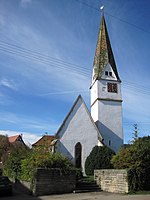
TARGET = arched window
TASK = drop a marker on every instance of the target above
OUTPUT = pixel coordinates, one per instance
(78, 155)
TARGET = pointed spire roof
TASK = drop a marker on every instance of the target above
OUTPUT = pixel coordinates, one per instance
(103, 54)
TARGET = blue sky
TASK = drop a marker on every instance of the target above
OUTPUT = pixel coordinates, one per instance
(46, 54)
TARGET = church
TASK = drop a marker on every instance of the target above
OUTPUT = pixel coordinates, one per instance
(82, 130)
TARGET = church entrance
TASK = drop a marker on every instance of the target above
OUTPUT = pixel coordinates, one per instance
(78, 155)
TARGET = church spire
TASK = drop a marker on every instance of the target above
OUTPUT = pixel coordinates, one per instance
(103, 54)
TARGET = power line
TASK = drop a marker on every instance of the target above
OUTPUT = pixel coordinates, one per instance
(138, 122)
(42, 59)
(131, 24)
(38, 54)
(61, 64)
(86, 4)
(117, 18)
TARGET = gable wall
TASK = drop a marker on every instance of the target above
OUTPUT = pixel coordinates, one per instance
(78, 128)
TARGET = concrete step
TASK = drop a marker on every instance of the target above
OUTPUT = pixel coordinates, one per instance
(83, 186)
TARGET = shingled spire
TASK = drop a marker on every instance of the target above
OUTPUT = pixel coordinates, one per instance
(103, 54)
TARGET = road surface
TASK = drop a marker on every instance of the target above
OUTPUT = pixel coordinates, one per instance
(78, 196)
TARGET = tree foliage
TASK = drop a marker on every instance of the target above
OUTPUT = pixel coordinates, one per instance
(99, 158)
(22, 162)
(136, 157)
(4, 146)
(43, 160)
(12, 165)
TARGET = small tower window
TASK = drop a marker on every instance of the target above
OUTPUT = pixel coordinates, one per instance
(112, 87)
(106, 73)
(110, 73)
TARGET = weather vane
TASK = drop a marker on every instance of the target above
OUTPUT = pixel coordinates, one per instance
(102, 9)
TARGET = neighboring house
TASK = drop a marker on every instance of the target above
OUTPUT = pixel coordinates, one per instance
(16, 139)
(7, 144)
(44, 142)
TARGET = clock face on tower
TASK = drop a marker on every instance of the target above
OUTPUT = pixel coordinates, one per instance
(112, 87)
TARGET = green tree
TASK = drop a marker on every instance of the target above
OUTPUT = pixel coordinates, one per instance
(43, 159)
(4, 147)
(99, 158)
(136, 157)
(12, 165)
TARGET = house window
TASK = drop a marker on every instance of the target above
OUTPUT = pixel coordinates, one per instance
(109, 142)
(110, 73)
(106, 73)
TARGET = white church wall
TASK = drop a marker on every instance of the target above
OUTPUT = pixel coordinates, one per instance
(94, 111)
(103, 92)
(109, 69)
(110, 123)
(77, 128)
(94, 92)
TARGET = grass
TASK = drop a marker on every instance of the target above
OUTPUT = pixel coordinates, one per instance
(88, 178)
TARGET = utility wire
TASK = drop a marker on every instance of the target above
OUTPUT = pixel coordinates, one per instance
(43, 59)
(86, 4)
(60, 64)
(117, 18)
(131, 24)
(38, 54)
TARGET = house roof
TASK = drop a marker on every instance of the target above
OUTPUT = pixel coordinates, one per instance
(103, 54)
(80, 98)
(44, 141)
(14, 138)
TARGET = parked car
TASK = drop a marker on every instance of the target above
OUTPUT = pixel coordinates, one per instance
(5, 186)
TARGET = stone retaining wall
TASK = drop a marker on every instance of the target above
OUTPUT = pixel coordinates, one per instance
(112, 180)
(52, 181)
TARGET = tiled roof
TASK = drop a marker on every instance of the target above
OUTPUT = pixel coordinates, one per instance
(103, 54)
(12, 139)
(44, 141)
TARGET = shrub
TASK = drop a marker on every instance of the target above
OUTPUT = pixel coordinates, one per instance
(4, 147)
(22, 162)
(43, 160)
(12, 165)
(135, 179)
(99, 158)
(136, 157)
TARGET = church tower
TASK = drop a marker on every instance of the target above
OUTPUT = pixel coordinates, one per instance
(106, 99)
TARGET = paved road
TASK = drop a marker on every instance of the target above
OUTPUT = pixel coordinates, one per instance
(79, 196)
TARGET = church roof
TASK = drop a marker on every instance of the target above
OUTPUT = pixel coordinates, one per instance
(103, 54)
